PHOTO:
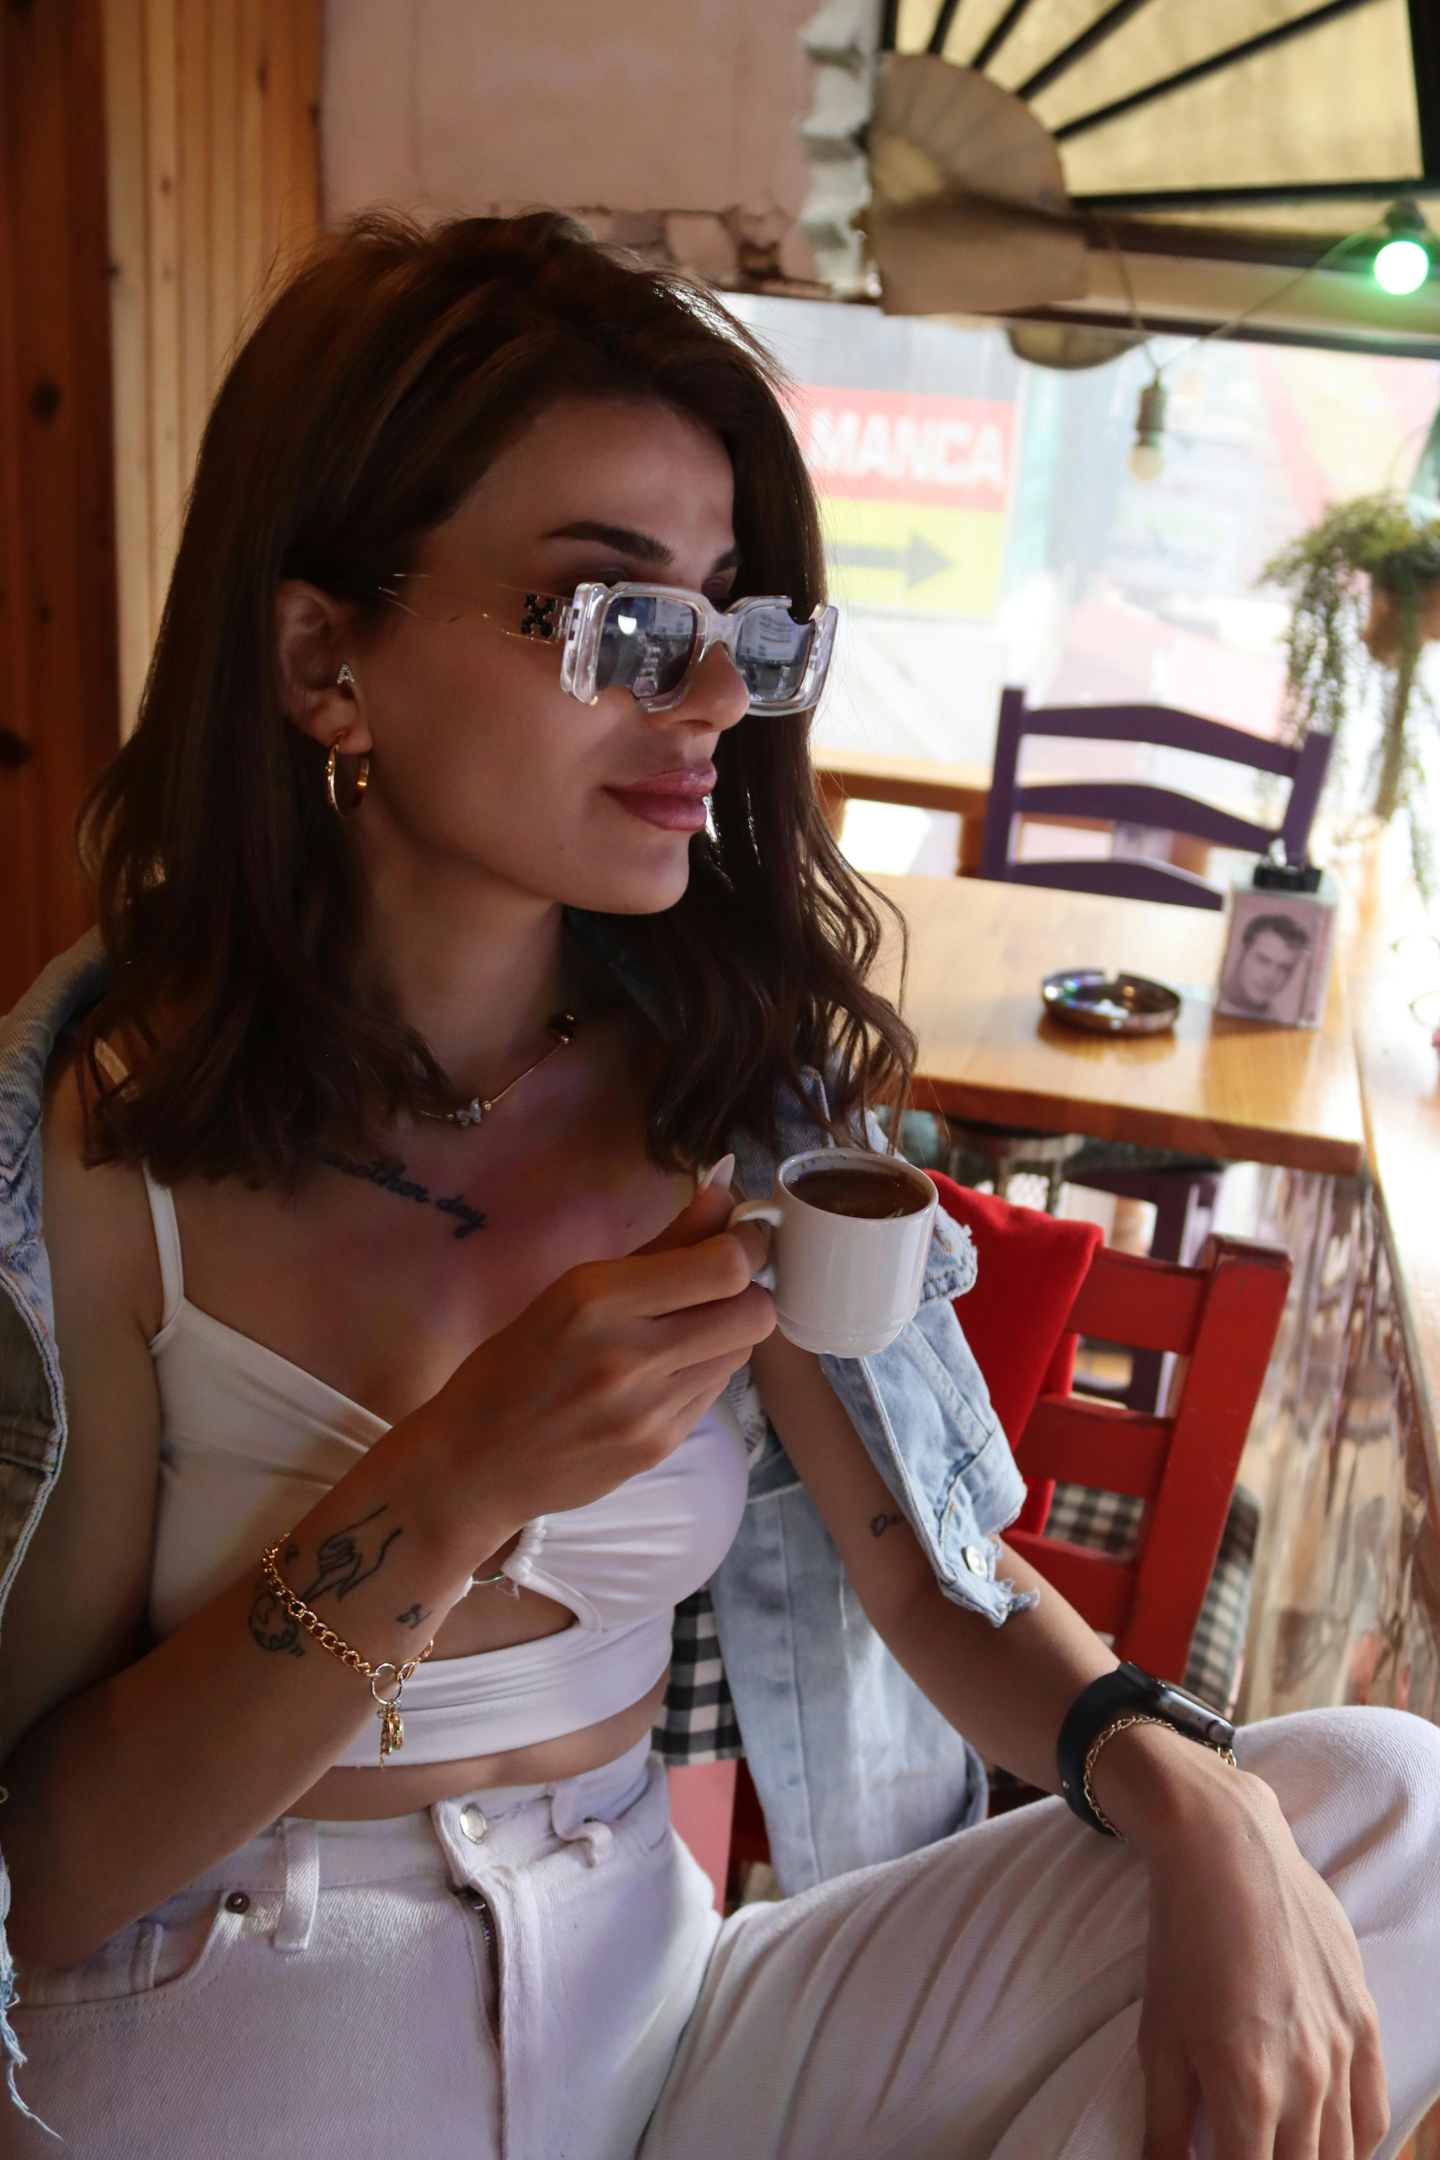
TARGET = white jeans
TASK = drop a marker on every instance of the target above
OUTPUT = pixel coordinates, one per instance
(328, 1991)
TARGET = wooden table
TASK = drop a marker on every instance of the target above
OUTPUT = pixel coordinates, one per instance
(1216, 1086)
(921, 783)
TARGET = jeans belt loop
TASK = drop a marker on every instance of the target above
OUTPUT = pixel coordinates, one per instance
(597, 1838)
(302, 1886)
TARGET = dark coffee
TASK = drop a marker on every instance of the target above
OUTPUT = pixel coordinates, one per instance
(879, 1195)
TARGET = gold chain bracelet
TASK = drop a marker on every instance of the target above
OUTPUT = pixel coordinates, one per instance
(1122, 1724)
(385, 1676)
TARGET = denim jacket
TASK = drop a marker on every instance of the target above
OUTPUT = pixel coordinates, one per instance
(852, 1763)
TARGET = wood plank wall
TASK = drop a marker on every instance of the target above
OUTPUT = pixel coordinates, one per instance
(212, 114)
(58, 702)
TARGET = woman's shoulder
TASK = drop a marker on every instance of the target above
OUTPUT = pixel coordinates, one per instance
(92, 1221)
(29, 1035)
(96, 1221)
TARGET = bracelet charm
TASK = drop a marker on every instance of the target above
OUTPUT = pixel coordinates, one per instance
(387, 1680)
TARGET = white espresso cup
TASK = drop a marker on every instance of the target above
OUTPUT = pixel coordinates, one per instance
(845, 1283)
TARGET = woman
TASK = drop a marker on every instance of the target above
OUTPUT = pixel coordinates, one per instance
(393, 1325)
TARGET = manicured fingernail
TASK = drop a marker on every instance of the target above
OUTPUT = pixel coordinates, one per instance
(719, 1173)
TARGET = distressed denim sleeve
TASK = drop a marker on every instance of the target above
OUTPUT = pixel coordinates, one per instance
(922, 1409)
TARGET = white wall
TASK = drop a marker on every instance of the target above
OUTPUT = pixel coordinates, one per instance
(671, 121)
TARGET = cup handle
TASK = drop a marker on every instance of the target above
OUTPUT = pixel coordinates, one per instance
(766, 1211)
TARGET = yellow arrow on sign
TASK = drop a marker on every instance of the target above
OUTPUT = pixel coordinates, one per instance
(913, 555)
(916, 561)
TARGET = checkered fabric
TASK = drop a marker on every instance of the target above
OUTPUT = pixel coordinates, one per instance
(697, 1722)
(1214, 1669)
(1110, 1523)
(697, 1719)
(1107, 1522)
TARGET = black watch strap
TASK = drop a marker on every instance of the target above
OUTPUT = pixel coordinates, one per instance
(1129, 1687)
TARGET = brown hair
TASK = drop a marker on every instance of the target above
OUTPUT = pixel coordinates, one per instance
(358, 415)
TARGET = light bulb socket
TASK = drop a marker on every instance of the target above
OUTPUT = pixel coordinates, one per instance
(1405, 220)
(1150, 418)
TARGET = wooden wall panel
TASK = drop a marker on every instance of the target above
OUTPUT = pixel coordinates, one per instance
(212, 112)
(58, 701)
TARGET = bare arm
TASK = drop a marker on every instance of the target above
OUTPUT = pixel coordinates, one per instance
(1254, 1992)
(200, 1742)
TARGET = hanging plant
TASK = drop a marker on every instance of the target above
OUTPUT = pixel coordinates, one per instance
(1365, 600)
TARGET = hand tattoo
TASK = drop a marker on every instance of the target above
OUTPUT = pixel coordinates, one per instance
(412, 1616)
(879, 1524)
(343, 1565)
(390, 1176)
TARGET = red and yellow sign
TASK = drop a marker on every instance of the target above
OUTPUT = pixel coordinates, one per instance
(913, 494)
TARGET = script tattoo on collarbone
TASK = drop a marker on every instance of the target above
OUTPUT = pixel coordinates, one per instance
(344, 1559)
(389, 1174)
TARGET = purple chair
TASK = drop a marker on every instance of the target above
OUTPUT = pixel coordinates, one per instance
(1133, 802)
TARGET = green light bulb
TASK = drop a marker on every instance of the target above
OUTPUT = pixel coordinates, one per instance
(1402, 266)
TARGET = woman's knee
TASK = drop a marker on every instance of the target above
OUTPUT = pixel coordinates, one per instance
(1351, 1779)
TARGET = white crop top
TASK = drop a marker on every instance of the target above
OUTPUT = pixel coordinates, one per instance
(249, 1442)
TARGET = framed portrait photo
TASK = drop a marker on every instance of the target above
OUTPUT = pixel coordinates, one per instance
(1276, 965)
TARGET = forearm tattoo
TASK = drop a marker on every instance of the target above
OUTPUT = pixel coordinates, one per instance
(389, 1175)
(345, 1559)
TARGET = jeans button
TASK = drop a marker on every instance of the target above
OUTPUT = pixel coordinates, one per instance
(473, 1823)
(237, 1902)
(974, 1559)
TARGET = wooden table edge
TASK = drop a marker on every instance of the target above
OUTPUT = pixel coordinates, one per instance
(1231, 1142)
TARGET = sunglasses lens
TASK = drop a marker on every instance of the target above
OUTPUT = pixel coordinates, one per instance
(771, 652)
(645, 644)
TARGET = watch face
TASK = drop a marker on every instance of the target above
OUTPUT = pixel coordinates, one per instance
(1192, 1715)
(1169, 1692)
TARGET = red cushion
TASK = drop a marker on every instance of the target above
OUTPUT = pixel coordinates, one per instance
(1029, 1268)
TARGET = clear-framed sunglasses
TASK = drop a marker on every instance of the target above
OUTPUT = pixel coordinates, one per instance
(651, 639)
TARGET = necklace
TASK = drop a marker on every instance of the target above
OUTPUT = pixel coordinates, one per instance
(562, 1027)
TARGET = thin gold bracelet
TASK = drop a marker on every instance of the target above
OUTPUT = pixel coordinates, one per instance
(385, 1676)
(1122, 1724)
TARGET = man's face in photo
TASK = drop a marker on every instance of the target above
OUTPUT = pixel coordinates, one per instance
(1266, 966)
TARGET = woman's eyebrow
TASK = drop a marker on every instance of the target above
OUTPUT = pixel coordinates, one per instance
(644, 547)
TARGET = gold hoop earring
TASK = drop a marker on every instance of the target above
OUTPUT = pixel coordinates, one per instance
(362, 779)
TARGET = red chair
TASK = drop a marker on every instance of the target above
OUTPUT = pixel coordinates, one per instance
(1043, 1282)
(1220, 1319)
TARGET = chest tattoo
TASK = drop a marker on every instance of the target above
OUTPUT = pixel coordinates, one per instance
(389, 1174)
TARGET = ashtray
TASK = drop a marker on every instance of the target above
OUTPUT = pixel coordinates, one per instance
(1110, 1004)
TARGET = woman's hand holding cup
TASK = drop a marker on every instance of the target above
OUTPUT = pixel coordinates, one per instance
(599, 1378)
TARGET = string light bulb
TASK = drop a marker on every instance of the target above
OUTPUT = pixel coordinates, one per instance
(1147, 453)
(1402, 263)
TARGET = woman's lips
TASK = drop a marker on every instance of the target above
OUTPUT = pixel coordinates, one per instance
(675, 801)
